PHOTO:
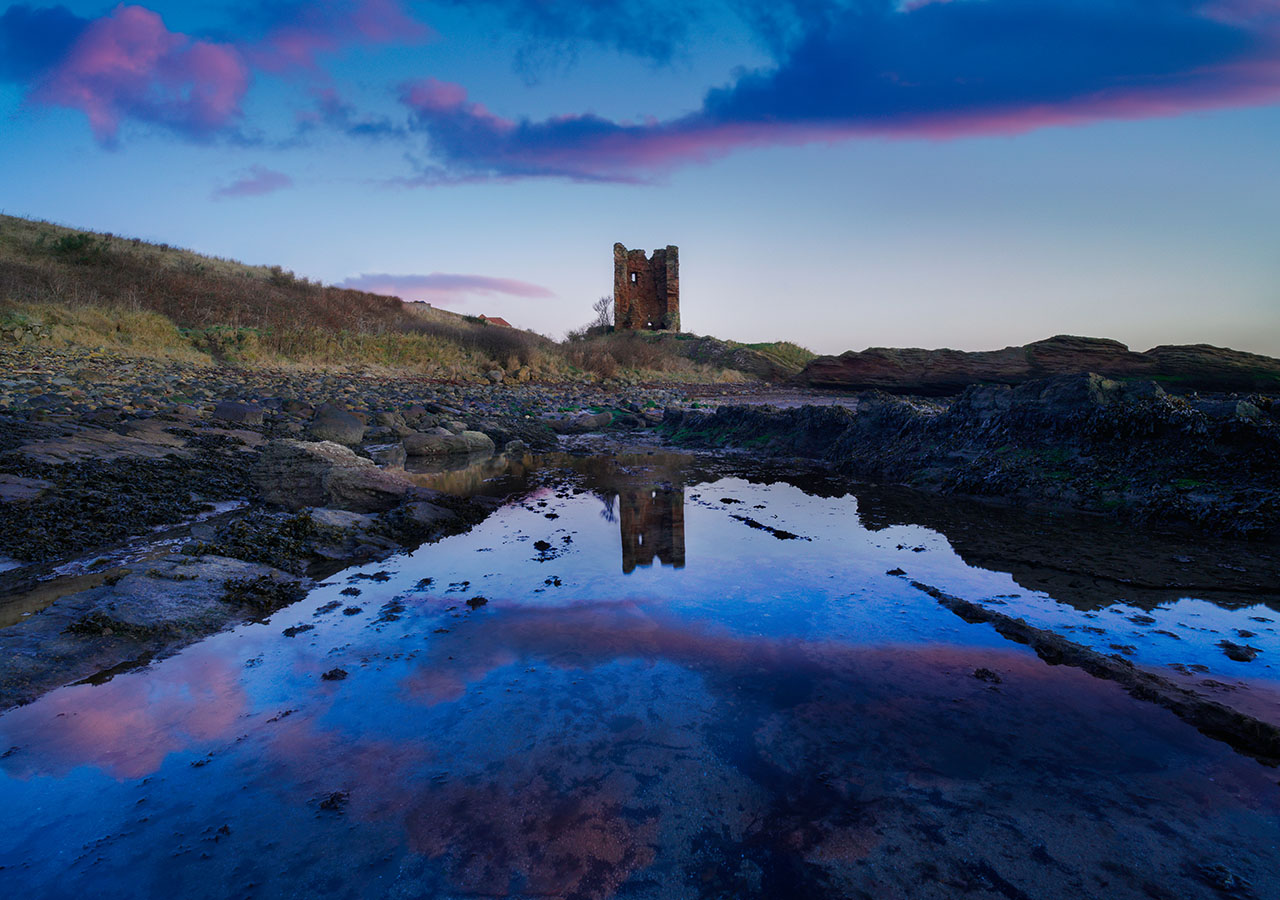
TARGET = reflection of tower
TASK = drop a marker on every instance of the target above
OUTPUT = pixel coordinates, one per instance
(652, 526)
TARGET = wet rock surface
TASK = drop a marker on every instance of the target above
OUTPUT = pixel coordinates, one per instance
(1082, 442)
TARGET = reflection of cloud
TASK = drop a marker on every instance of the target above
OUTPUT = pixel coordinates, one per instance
(130, 724)
(570, 840)
(589, 635)
(796, 759)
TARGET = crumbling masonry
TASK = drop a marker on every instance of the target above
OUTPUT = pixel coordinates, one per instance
(646, 292)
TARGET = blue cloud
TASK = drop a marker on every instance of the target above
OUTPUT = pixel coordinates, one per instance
(930, 68)
(32, 40)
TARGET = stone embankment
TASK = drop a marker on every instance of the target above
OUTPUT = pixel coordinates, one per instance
(1083, 442)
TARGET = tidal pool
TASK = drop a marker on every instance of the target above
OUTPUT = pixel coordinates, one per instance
(650, 675)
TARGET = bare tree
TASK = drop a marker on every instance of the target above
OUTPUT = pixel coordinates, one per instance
(603, 308)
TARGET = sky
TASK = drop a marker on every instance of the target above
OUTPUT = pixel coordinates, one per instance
(929, 173)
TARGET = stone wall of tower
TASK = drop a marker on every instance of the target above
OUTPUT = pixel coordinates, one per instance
(646, 290)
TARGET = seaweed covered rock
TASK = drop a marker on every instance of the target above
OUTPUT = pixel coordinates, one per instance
(1083, 441)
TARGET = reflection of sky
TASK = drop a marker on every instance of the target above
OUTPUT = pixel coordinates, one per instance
(602, 718)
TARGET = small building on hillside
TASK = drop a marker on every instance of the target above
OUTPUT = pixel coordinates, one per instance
(495, 320)
(646, 290)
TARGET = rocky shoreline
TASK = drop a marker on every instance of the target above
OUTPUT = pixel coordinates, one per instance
(144, 505)
(1126, 449)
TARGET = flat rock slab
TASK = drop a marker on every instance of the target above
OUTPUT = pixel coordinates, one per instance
(105, 444)
(158, 606)
(16, 487)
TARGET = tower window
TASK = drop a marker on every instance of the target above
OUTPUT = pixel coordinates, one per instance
(634, 277)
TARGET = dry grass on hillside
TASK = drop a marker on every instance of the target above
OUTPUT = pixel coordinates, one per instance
(230, 311)
(129, 296)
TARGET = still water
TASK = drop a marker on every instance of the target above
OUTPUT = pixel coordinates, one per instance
(649, 676)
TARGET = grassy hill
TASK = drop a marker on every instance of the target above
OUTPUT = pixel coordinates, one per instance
(68, 287)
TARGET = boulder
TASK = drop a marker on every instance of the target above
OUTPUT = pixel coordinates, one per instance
(1228, 408)
(297, 474)
(389, 456)
(291, 473)
(239, 413)
(425, 514)
(1067, 395)
(592, 421)
(433, 445)
(332, 423)
(365, 488)
(477, 442)
(533, 432)
(442, 445)
(981, 402)
(343, 519)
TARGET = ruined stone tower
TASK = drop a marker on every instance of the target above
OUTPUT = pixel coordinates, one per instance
(646, 292)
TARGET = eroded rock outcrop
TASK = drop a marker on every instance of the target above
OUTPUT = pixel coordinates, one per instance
(298, 474)
(948, 372)
(1080, 441)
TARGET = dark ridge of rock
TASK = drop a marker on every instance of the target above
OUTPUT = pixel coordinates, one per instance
(1204, 367)
(1087, 562)
(1242, 732)
(947, 372)
(1081, 441)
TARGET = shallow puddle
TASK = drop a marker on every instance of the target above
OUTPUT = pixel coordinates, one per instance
(648, 676)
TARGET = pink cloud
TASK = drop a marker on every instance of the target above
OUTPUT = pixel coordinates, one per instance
(255, 182)
(442, 288)
(328, 27)
(129, 65)
(932, 70)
